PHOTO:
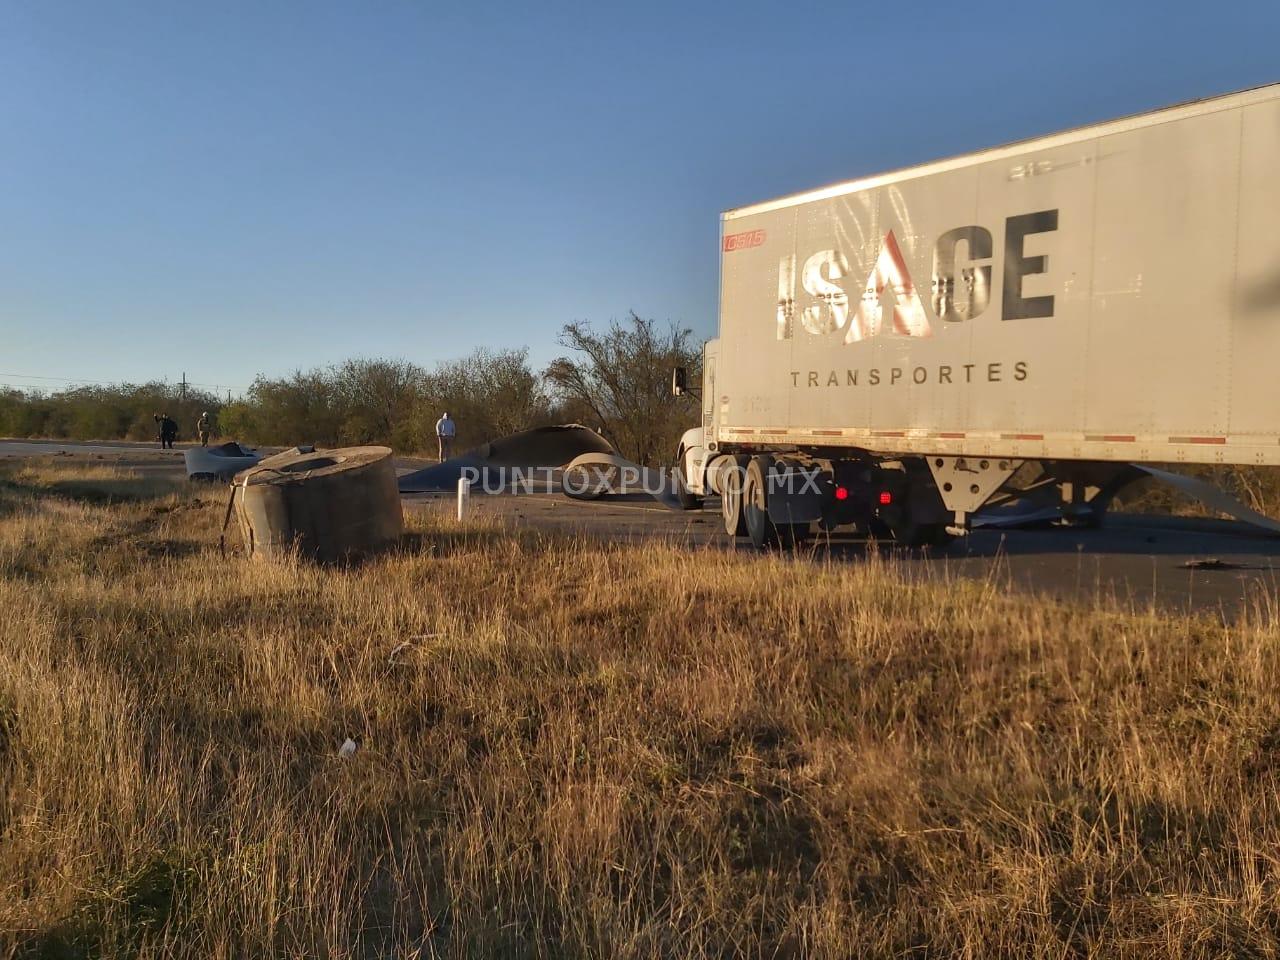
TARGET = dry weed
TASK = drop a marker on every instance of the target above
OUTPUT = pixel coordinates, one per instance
(576, 749)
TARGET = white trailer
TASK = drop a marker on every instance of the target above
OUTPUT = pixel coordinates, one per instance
(1091, 299)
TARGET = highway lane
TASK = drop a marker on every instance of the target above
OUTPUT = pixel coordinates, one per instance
(1142, 562)
(10, 449)
(1220, 568)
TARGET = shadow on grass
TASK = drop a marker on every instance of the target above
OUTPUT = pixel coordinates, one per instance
(122, 915)
(98, 491)
(414, 543)
(151, 548)
(445, 543)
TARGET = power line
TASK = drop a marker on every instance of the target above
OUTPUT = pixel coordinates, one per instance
(36, 376)
(109, 383)
(34, 381)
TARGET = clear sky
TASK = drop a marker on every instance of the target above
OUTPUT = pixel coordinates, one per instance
(234, 188)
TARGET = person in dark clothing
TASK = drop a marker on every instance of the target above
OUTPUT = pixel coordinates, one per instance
(168, 431)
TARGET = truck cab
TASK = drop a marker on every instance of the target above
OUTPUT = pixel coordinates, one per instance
(698, 444)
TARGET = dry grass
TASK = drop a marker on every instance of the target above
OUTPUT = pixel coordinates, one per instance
(99, 483)
(582, 750)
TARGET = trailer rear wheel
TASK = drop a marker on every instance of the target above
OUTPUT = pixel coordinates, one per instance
(733, 472)
(755, 507)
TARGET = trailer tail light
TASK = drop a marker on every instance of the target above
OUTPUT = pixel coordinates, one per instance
(886, 498)
(842, 493)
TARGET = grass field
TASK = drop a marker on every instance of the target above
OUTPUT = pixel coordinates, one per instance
(582, 750)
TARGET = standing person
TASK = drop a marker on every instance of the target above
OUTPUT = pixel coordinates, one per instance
(159, 429)
(168, 431)
(446, 430)
(204, 427)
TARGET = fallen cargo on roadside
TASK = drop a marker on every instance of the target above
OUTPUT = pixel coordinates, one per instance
(219, 463)
(323, 505)
(525, 459)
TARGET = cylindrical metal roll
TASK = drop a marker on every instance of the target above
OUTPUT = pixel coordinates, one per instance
(328, 505)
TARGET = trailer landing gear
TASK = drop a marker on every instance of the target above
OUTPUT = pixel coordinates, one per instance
(966, 484)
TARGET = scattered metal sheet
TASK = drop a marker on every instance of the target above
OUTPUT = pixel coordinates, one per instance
(1212, 563)
(1008, 519)
(1213, 497)
(522, 459)
(611, 474)
(221, 462)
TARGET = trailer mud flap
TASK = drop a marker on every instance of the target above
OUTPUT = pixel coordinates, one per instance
(796, 494)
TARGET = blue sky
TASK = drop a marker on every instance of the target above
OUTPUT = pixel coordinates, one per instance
(232, 188)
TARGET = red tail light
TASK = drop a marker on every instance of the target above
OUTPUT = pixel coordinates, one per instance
(886, 498)
(842, 493)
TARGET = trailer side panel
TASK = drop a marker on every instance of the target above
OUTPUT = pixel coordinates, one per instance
(1108, 294)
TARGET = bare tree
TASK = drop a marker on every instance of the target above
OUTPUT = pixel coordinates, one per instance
(489, 394)
(301, 408)
(623, 382)
(378, 399)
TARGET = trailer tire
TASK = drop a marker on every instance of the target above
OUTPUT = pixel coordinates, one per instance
(755, 504)
(734, 470)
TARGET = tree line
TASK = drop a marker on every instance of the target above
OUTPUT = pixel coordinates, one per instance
(616, 381)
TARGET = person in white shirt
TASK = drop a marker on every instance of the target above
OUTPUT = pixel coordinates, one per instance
(445, 432)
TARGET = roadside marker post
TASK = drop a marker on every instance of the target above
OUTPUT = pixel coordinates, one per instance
(464, 497)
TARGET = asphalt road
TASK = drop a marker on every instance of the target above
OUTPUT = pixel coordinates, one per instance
(1217, 567)
(10, 449)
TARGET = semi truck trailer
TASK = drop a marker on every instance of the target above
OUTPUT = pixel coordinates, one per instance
(894, 350)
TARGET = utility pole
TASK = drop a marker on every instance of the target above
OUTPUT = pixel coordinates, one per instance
(184, 386)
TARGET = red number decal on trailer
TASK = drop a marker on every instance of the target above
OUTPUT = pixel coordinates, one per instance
(741, 241)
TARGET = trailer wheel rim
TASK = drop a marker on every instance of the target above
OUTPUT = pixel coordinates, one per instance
(731, 496)
(731, 506)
